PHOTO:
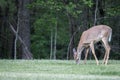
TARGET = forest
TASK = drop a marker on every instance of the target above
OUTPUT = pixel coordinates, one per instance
(50, 29)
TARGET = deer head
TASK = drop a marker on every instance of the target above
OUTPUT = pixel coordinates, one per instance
(77, 54)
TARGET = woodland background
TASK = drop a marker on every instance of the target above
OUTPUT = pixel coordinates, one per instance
(50, 29)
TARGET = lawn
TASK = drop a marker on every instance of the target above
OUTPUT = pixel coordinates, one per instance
(58, 70)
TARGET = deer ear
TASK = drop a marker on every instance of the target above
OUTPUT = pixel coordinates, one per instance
(74, 51)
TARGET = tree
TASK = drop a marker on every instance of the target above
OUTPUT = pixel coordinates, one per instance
(24, 27)
(7, 10)
(44, 24)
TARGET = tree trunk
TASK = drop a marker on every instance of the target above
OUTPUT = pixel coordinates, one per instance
(101, 7)
(24, 27)
(71, 28)
(55, 40)
(6, 40)
(96, 10)
(51, 45)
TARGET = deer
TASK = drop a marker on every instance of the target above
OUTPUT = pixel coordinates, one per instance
(91, 36)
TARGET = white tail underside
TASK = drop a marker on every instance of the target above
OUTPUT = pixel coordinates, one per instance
(110, 37)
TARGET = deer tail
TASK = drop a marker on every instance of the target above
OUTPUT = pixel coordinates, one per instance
(110, 36)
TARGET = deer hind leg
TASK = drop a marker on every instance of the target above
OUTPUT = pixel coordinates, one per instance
(86, 54)
(107, 48)
(93, 51)
(105, 56)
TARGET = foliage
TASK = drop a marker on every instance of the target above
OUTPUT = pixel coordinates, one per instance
(41, 37)
(44, 25)
(88, 3)
(113, 11)
(72, 9)
(9, 5)
(46, 14)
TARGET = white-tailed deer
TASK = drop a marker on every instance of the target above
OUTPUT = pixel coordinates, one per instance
(89, 38)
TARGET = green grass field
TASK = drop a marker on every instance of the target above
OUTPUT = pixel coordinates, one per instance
(58, 70)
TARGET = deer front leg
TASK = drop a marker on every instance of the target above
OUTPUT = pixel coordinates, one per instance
(86, 54)
(93, 51)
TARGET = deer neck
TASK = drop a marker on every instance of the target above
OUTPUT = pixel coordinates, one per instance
(80, 48)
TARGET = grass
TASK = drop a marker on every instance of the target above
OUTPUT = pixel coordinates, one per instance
(58, 70)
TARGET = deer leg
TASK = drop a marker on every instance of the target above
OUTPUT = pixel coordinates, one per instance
(78, 58)
(93, 51)
(86, 54)
(107, 48)
(105, 56)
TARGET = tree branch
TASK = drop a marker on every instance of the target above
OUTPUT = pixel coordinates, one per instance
(20, 39)
(71, 39)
